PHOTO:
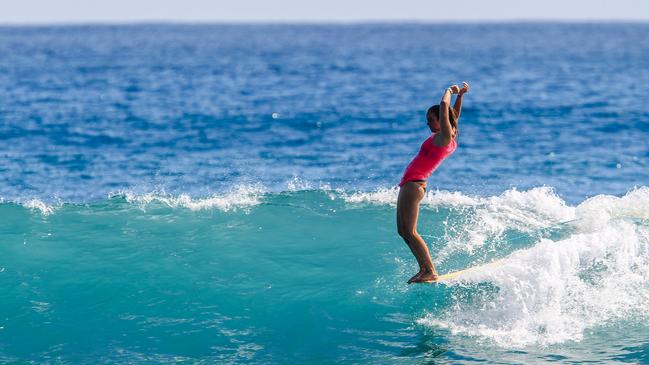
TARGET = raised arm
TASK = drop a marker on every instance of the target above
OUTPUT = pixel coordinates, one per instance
(458, 101)
(444, 122)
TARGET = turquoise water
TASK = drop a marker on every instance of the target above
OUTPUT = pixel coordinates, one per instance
(225, 194)
(319, 276)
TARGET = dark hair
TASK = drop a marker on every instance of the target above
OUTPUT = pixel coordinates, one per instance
(434, 110)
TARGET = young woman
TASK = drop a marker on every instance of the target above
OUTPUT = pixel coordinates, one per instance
(442, 121)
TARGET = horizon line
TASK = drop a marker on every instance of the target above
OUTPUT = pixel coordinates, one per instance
(324, 22)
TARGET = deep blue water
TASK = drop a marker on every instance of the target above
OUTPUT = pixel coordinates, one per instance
(225, 193)
(90, 110)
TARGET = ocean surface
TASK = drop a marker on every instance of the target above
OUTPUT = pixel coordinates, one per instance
(226, 194)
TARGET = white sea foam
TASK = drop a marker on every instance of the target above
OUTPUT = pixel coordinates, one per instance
(378, 197)
(555, 291)
(488, 218)
(39, 205)
(298, 184)
(481, 218)
(542, 199)
(597, 211)
(383, 196)
(241, 196)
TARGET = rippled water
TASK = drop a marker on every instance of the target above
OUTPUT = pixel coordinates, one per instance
(224, 193)
(91, 110)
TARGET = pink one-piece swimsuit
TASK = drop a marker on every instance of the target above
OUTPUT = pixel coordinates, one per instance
(429, 157)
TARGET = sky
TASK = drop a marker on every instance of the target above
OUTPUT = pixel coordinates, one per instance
(108, 11)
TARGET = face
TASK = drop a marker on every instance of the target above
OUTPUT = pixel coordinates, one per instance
(434, 125)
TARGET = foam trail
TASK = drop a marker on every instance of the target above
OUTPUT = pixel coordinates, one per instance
(556, 290)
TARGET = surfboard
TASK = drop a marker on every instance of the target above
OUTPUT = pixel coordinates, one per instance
(459, 273)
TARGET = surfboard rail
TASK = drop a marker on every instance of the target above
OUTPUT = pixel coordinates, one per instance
(455, 274)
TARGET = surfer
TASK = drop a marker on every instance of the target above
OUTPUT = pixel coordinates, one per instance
(442, 121)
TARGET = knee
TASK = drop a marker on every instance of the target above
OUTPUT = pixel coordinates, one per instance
(406, 234)
(409, 235)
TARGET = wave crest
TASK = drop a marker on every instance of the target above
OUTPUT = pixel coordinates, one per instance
(40, 206)
(241, 196)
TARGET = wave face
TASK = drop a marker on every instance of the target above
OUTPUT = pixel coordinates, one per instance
(319, 276)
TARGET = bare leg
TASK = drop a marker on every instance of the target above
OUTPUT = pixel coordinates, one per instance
(410, 195)
(402, 233)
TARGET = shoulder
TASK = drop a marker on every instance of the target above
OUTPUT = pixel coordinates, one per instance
(438, 140)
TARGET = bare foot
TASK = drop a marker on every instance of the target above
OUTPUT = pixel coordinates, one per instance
(416, 276)
(427, 276)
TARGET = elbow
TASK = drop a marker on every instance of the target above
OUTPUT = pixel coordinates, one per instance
(444, 103)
